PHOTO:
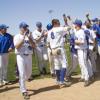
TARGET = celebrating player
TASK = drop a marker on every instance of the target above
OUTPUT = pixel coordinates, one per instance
(56, 44)
(24, 45)
(41, 50)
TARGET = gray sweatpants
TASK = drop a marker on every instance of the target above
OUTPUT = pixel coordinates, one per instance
(3, 66)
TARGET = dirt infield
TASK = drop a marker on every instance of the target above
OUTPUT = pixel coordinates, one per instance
(46, 89)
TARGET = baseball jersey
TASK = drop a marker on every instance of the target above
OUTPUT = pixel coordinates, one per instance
(25, 48)
(96, 29)
(36, 35)
(80, 35)
(90, 35)
(55, 37)
(72, 42)
(6, 42)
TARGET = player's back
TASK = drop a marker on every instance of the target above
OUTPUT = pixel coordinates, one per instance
(55, 37)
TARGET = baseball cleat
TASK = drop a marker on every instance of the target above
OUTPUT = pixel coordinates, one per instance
(5, 82)
(81, 80)
(26, 96)
(92, 79)
(86, 83)
(67, 84)
(61, 85)
(68, 79)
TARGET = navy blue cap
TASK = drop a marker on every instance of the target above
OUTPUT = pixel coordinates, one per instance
(95, 20)
(3, 26)
(23, 25)
(78, 22)
(49, 26)
(39, 24)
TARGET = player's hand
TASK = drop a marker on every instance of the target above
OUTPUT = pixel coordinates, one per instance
(87, 15)
(10, 50)
(44, 33)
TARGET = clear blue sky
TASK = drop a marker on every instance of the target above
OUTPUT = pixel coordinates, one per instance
(12, 12)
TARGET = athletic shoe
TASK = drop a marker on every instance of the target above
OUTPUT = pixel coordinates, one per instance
(26, 96)
(57, 82)
(5, 82)
(86, 83)
(68, 79)
(61, 85)
(67, 84)
(81, 80)
(92, 79)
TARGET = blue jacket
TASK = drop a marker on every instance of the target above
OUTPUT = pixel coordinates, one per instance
(6, 42)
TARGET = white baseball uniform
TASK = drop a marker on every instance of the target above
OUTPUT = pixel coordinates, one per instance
(82, 53)
(92, 37)
(41, 50)
(55, 40)
(24, 60)
(51, 61)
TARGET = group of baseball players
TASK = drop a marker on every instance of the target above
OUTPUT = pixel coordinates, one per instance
(50, 44)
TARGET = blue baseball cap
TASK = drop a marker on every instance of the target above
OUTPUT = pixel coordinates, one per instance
(95, 20)
(49, 26)
(78, 22)
(23, 25)
(3, 26)
(39, 24)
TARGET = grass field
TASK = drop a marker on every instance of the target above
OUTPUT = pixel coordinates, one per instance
(12, 62)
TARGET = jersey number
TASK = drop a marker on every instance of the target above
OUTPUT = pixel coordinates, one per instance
(52, 35)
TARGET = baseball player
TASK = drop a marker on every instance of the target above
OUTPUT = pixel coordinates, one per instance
(81, 46)
(6, 42)
(73, 51)
(51, 63)
(91, 36)
(74, 58)
(96, 28)
(24, 45)
(40, 50)
(56, 44)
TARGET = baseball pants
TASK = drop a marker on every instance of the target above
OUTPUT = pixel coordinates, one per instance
(25, 70)
(51, 62)
(82, 59)
(74, 63)
(3, 67)
(40, 57)
(92, 60)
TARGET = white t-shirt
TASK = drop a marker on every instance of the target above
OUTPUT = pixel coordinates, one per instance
(36, 35)
(25, 48)
(55, 37)
(80, 35)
